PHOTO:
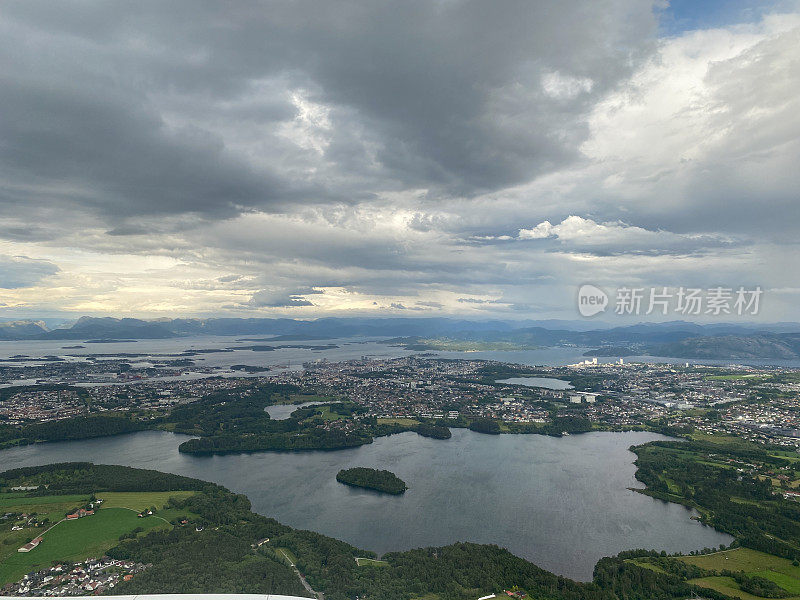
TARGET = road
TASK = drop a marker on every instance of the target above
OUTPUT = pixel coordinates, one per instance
(308, 588)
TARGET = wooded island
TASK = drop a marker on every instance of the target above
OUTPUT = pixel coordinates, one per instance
(372, 479)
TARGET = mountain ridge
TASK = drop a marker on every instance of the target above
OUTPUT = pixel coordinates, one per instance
(673, 338)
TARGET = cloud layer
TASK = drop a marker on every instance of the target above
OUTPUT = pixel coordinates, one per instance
(378, 157)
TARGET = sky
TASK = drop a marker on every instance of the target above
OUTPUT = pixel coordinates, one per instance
(394, 158)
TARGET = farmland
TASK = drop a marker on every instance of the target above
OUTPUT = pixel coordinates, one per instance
(76, 540)
(750, 562)
(73, 540)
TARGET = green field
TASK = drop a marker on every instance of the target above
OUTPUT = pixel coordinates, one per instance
(11, 540)
(743, 559)
(724, 585)
(645, 564)
(75, 540)
(787, 582)
(139, 500)
(371, 562)
(329, 415)
(729, 441)
(776, 569)
(53, 508)
(27, 503)
(790, 456)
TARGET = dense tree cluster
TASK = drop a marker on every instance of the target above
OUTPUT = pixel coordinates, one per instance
(239, 410)
(84, 477)
(75, 428)
(569, 424)
(372, 479)
(485, 426)
(310, 439)
(185, 561)
(758, 586)
(430, 430)
(236, 421)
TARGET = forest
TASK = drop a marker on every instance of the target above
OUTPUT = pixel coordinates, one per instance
(438, 432)
(75, 428)
(372, 479)
(86, 477)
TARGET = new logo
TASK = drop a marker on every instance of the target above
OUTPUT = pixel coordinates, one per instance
(591, 300)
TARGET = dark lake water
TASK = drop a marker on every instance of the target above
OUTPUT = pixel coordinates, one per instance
(562, 503)
(284, 411)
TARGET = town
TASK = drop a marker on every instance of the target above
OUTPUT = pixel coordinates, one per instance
(755, 403)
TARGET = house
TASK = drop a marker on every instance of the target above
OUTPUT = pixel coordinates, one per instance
(31, 545)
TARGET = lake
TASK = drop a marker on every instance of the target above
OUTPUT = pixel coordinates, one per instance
(562, 503)
(284, 411)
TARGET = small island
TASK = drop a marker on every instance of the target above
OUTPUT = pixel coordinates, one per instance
(372, 479)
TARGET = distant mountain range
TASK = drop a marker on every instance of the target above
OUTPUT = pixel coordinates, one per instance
(129, 328)
(17, 330)
(675, 338)
(735, 347)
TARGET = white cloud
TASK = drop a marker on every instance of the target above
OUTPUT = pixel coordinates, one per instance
(579, 234)
(565, 87)
(707, 129)
(541, 231)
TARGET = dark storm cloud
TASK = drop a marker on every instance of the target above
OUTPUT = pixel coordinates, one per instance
(149, 108)
(117, 156)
